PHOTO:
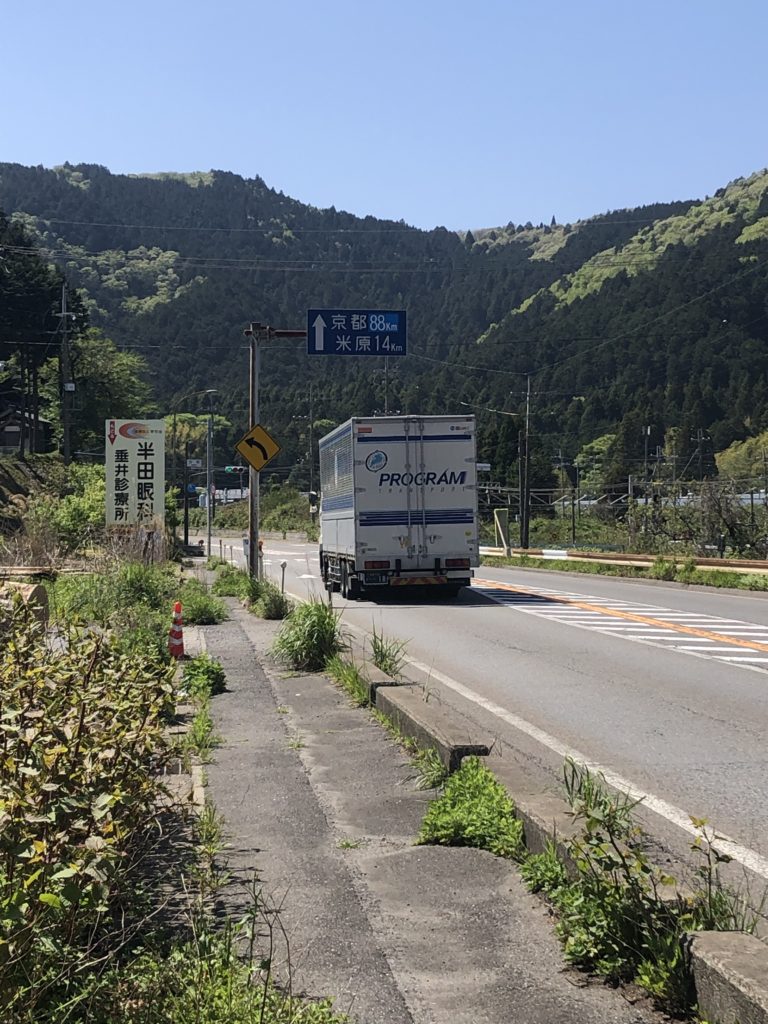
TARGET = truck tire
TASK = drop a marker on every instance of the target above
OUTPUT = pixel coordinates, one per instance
(350, 589)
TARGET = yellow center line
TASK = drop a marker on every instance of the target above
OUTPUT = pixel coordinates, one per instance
(616, 613)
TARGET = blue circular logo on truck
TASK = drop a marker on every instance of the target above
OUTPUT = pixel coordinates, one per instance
(376, 461)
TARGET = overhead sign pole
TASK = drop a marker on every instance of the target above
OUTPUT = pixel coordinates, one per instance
(257, 332)
(254, 565)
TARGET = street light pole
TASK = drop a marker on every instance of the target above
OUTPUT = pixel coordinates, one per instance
(209, 467)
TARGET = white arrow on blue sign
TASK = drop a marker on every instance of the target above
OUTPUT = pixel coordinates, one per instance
(356, 332)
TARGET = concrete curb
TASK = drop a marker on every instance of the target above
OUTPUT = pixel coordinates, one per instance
(431, 726)
(730, 972)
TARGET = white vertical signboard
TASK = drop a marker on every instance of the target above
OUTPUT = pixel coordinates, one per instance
(135, 465)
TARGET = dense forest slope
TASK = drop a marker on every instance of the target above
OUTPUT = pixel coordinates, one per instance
(647, 317)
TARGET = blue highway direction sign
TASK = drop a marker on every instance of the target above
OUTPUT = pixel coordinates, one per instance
(356, 332)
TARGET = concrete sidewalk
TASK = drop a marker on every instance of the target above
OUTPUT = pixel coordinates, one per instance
(318, 803)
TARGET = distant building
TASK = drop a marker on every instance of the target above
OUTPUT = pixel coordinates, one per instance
(38, 438)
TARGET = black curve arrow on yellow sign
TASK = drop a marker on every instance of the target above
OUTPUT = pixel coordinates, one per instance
(253, 443)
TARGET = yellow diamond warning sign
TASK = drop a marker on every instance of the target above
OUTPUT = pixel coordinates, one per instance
(258, 448)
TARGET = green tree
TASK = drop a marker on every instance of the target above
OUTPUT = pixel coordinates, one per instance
(109, 384)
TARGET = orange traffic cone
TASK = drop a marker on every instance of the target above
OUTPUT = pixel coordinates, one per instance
(176, 634)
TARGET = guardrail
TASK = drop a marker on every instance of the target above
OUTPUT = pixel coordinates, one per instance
(627, 558)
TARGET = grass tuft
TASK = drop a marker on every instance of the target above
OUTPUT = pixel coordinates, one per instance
(309, 637)
(388, 654)
(350, 679)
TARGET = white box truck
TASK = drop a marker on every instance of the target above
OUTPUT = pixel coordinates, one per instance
(398, 504)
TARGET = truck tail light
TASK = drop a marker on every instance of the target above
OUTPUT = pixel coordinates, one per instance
(380, 565)
(457, 563)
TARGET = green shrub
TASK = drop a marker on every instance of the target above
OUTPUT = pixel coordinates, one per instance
(474, 810)
(271, 602)
(200, 608)
(132, 600)
(206, 980)
(755, 581)
(309, 637)
(232, 582)
(203, 675)
(663, 569)
(82, 747)
(543, 872)
(76, 518)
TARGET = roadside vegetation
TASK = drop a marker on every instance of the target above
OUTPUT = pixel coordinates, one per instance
(661, 569)
(310, 636)
(93, 851)
(202, 678)
(283, 509)
(618, 915)
(262, 596)
(474, 810)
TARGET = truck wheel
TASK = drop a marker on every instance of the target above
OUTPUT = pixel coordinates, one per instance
(350, 589)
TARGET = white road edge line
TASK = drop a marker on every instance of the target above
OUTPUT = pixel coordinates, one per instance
(749, 858)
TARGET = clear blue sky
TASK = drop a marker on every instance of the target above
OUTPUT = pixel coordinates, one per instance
(466, 114)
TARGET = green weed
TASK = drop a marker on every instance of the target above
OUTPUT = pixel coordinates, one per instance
(200, 608)
(203, 676)
(474, 810)
(348, 676)
(271, 602)
(201, 739)
(231, 582)
(388, 654)
(428, 770)
(407, 742)
(544, 872)
(309, 637)
(663, 569)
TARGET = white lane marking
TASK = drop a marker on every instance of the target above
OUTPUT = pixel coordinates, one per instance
(665, 638)
(308, 576)
(711, 650)
(676, 815)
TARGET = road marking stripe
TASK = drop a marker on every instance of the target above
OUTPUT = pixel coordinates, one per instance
(647, 620)
(749, 858)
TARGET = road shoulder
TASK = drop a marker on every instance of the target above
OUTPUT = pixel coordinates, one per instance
(317, 801)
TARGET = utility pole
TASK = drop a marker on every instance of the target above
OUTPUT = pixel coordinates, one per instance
(186, 494)
(526, 495)
(209, 468)
(646, 435)
(66, 383)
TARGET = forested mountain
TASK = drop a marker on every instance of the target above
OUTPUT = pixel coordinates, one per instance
(653, 317)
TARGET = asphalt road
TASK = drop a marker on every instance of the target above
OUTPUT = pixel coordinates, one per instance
(663, 688)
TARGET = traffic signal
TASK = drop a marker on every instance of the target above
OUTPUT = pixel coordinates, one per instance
(234, 469)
